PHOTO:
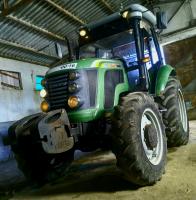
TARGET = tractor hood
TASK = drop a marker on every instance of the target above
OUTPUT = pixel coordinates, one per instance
(99, 85)
(86, 63)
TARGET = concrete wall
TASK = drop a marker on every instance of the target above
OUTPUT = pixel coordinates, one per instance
(15, 104)
(193, 7)
(181, 21)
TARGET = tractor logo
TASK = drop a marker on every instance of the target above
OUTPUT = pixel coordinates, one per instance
(69, 66)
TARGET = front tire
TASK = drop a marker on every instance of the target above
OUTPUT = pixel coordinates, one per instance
(138, 139)
(175, 118)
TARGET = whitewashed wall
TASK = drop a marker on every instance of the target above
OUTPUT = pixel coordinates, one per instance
(15, 104)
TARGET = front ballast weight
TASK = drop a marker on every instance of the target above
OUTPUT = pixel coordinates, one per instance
(42, 145)
(52, 130)
(55, 131)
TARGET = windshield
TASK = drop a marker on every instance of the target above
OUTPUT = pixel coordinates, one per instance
(120, 45)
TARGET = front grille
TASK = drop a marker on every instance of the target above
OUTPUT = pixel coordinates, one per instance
(112, 79)
(58, 94)
(57, 91)
(92, 77)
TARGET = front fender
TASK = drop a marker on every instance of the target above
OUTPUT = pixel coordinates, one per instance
(162, 78)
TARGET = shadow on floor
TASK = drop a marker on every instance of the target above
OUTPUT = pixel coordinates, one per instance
(106, 179)
(96, 172)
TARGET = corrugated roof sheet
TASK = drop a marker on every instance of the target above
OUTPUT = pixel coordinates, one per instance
(38, 24)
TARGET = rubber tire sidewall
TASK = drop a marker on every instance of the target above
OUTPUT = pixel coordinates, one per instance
(176, 135)
(126, 140)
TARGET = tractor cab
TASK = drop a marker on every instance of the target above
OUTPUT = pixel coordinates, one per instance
(128, 36)
(121, 46)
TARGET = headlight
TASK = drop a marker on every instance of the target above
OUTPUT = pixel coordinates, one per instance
(43, 82)
(45, 106)
(73, 87)
(82, 32)
(43, 93)
(73, 102)
(73, 75)
(125, 14)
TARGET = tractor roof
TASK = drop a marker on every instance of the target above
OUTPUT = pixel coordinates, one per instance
(115, 23)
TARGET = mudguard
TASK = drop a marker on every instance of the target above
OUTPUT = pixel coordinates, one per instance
(162, 78)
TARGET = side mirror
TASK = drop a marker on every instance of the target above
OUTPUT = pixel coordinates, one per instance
(161, 20)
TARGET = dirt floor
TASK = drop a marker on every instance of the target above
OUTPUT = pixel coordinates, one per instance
(95, 176)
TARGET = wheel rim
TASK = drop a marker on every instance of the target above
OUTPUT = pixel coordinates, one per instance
(149, 118)
(182, 109)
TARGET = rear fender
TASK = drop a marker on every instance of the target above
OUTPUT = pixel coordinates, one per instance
(162, 78)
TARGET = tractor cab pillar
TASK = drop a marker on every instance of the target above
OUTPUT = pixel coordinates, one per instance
(139, 45)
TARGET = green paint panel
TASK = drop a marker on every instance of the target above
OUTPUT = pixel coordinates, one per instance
(99, 111)
(85, 63)
(102, 65)
(162, 78)
(83, 115)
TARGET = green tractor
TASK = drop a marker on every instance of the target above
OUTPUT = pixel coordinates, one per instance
(117, 94)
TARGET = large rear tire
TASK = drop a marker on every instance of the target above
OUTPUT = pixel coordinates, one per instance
(138, 139)
(37, 166)
(175, 116)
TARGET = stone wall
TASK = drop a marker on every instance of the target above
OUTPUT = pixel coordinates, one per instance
(182, 56)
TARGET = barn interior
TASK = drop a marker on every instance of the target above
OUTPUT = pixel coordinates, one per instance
(33, 40)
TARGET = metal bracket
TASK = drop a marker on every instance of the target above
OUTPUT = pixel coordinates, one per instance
(163, 110)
